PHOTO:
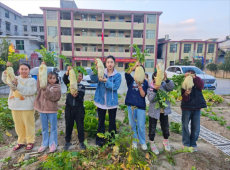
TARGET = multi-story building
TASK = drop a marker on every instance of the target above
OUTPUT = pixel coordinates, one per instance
(169, 49)
(33, 25)
(10, 21)
(77, 33)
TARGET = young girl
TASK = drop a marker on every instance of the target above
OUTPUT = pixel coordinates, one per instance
(136, 97)
(156, 114)
(106, 97)
(74, 111)
(21, 103)
(46, 103)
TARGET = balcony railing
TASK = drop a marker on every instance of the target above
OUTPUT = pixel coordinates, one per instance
(8, 32)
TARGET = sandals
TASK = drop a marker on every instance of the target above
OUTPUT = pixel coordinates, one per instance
(29, 146)
(18, 146)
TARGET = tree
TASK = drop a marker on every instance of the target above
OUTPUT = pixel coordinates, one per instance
(4, 50)
(226, 65)
(185, 62)
(198, 64)
(212, 67)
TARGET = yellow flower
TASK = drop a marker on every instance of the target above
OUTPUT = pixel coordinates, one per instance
(11, 48)
(26, 57)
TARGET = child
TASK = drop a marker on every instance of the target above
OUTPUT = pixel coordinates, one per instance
(156, 114)
(106, 97)
(46, 103)
(136, 97)
(21, 103)
(74, 111)
(191, 111)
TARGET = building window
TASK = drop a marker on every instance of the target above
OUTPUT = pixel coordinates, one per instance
(112, 19)
(120, 64)
(84, 17)
(211, 48)
(7, 14)
(120, 48)
(15, 17)
(112, 48)
(121, 33)
(148, 63)
(40, 20)
(7, 26)
(172, 46)
(121, 19)
(187, 48)
(150, 34)
(52, 31)
(112, 34)
(93, 33)
(84, 33)
(34, 29)
(20, 44)
(199, 48)
(15, 28)
(151, 19)
(23, 19)
(84, 63)
(33, 20)
(41, 29)
(171, 63)
(51, 15)
(42, 37)
(51, 46)
(150, 48)
(93, 48)
(93, 17)
(25, 28)
(84, 48)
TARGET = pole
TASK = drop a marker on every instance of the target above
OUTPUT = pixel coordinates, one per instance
(174, 57)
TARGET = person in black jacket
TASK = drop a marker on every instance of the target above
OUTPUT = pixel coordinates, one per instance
(74, 110)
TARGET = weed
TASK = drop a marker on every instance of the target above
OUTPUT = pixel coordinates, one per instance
(204, 114)
(175, 127)
(39, 132)
(222, 122)
(61, 132)
(209, 104)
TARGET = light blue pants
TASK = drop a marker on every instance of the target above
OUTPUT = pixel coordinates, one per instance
(137, 118)
(45, 119)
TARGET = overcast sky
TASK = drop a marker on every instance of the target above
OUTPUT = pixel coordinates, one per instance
(182, 19)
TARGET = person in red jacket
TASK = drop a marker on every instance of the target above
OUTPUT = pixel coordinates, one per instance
(192, 102)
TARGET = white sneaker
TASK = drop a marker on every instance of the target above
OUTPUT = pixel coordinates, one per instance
(166, 145)
(154, 148)
(195, 149)
(144, 147)
(134, 145)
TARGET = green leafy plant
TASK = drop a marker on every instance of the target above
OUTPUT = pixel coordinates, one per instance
(161, 97)
(204, 114)
(215, 118)
(94, 69)
(39, 132)
(61, 133)
(228, 127)
(209, 104)
(176, 127)
(47, 56)
(222, 122)
(59, 116)
(25, 163)
(119, 96)
(208, 109)
(5, 160)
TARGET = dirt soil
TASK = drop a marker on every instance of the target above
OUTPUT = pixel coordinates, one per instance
(207, 158)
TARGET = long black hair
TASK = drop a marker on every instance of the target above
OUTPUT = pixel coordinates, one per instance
(154, 75)
(55, 73)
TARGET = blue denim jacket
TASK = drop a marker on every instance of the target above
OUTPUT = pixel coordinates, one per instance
(110, 87)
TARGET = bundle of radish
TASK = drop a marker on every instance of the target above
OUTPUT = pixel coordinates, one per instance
(139, 74)
(73, 75)
(188, 83)
(100, 68)
(47, 57)
(160, 73)
(12, 57)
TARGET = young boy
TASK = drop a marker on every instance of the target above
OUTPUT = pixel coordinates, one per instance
(192, 102)
(74, 110)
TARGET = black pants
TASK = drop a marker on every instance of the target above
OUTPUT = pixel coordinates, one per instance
(164, 126)
(101, 123)
(73, 113)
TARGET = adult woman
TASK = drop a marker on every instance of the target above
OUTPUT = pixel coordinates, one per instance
(21, 102)
(106, 97)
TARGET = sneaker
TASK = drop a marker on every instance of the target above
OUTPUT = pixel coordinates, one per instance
(67, 145)
(154, 148)
(53, 148)
(144, 147)
(82, 146)
(166, 145)
(195, 149)
(42, 148)
(134, 145)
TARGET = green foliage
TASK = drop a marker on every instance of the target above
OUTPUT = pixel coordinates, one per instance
(94, 69)
(39, 132)
(212, 67)
(198, 64)
(193, 168)
(89, 105)
(140, 56)
(209, 104)
(228, 127)
(185, 62)
(222, 122)
(47, 56)
(61, 132)
(161, 97)
(24, 163)
(176, 127)
(208, 109)
(226, 65)
(119, 96)
(215, 118)
(4, 50)
(204, 114)
(5, 160)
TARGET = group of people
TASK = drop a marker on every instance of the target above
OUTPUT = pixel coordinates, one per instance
(23, 102)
